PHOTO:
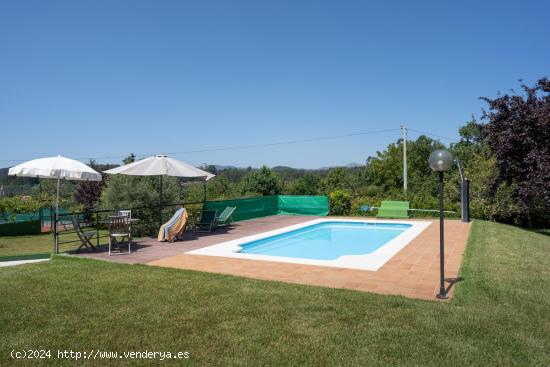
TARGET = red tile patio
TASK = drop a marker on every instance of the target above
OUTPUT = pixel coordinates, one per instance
(413, 272)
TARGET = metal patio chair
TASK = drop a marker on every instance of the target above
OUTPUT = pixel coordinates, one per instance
(119, 229)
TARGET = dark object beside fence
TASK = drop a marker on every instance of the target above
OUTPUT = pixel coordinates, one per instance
(20, 228)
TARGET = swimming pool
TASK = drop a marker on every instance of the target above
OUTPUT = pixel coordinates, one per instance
(327, 240)
(344, 243)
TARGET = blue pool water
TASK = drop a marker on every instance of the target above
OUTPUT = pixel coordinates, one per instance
(327, 240)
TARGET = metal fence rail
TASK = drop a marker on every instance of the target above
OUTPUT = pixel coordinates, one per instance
(97, 219)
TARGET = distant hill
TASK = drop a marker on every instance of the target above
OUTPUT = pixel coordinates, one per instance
(221, 168)
(285, 168)
(351, 165)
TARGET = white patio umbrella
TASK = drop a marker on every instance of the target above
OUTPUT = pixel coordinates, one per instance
(161, 165)
(59, 168)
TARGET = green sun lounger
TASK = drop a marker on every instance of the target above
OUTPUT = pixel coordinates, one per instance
(394, 209)
(226, 217)
(206, 221)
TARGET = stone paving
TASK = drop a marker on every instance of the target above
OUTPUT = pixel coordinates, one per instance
(413, 272)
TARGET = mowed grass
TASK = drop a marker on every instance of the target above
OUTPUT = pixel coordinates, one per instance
(498, 317)
(41, 243)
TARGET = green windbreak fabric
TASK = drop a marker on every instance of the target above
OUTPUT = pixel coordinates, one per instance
(246, 208)
(271, 205)
(24, 217)
(303, 205)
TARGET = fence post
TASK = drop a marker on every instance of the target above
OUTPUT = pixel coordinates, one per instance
(41, 218)
(51, 219)
(55, 234)
(40, 211)
(465, 200)
(160, 203)
(97, 228)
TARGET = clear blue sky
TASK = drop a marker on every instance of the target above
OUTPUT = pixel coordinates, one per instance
(106, 78)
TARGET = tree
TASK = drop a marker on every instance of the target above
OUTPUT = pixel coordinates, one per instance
(308, 185)
(338, 179)
(126, 192)
(471, 142)
(11, 185)
(421, 176)
(221, 188)
(88, 193)
(264, 181)
(385, 170)
(48, 188)
(518, 134)
(130, 159)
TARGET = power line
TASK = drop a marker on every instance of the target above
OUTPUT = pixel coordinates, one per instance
(285, 142)
(252, 146)
(434, 135)
(235, 147)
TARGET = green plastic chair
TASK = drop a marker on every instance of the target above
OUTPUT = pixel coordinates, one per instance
(394, 210)
(226, 217)
(206, 221)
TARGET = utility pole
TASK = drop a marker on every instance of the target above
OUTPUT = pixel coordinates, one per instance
(404, 131)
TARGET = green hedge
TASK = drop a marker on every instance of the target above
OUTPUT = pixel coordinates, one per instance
(264, 206)
(20, 228)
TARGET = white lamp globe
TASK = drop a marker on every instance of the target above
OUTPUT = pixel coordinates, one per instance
(440, 160)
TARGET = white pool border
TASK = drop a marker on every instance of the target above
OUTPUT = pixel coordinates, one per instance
(372, 261)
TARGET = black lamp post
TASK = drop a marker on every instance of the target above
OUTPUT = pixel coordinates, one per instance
(441, 161)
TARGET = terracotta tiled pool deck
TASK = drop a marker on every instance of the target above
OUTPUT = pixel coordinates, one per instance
(412, 272)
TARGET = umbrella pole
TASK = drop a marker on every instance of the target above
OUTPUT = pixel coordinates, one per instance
(40, 211)
(160, 203)
(55, 234)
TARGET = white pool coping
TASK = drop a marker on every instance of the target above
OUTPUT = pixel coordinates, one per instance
(373, 261)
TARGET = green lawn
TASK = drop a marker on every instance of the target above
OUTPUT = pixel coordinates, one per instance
(498, 317)
(39, 244)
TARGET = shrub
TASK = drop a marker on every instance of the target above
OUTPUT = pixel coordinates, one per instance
(340, 203)
(10, 207)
